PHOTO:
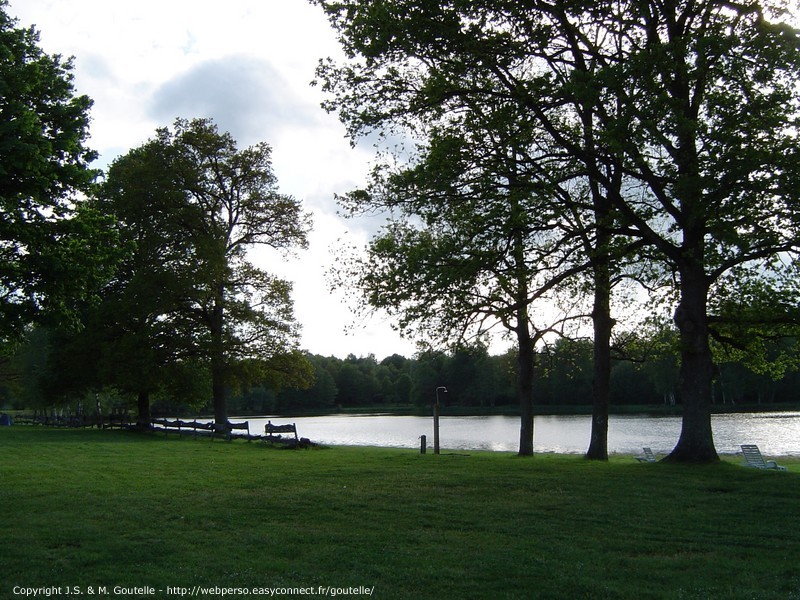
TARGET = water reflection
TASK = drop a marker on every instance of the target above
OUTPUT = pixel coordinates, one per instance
(775, 433)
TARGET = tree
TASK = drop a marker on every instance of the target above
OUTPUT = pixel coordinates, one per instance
(683, 115)
(142, 324)
(427, 374)
(53, 250)
(461, 275)
(322, 394)
(221, 201)
(569, 371)
(705, 123)
(469, 376)
(489, 219)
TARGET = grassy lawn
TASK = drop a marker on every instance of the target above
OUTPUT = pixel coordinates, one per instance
(101, 509)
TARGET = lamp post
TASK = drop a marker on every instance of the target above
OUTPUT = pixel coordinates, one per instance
(436, 420)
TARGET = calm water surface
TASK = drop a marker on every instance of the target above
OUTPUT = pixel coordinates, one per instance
(775, 433)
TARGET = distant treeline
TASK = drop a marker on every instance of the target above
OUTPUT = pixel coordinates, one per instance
(474, 378)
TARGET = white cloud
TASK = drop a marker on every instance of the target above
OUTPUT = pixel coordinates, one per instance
(247, 64)
(244, 95)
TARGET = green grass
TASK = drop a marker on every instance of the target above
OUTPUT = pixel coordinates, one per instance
(99, 508)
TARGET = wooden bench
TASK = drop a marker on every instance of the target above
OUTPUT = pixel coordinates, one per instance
(78, 420)
(180, 427)
(116, 420)
(197, 428)
(244, 425)
(273, 432)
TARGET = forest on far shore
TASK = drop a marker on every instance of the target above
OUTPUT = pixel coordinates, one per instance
(645, 378)
(475, 379)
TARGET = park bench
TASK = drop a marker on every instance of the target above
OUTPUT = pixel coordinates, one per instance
(272, 432)
(753, 458)
(115, 420)
(180, 427)
(197, 428)
(244, 425)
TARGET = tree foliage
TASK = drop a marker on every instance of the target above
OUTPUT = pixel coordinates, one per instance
(477, 240)
(143, 323)
(53, 250)
(191, 204)
(682, 115)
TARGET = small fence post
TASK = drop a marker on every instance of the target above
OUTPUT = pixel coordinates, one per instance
(436, 428)
(423, 444)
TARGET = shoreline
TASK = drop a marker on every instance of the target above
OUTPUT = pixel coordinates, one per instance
(513, 411)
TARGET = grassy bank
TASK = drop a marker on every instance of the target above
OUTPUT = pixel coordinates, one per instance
(98, 509)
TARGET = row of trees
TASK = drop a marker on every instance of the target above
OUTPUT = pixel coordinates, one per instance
(554, 162)
(138, 281)
(477, 380)
(548, 154)
(474, 380)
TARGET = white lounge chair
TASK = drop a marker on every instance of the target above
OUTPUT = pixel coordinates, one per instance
(648, 456)
(753, 458)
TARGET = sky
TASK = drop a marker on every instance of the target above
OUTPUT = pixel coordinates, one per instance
(248, 65)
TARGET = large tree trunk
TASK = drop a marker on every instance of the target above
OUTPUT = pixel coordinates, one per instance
(525, 352)
(143, 411)
(602, 324)
(525, 372)
(601, 380)
(696, 442)
(218, 364)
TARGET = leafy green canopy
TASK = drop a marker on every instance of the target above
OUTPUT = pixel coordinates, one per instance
(231, 203)
(52, 248)
(190, 206)
(693, 106)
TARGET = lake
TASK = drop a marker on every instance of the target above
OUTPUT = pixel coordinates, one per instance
(775, 433)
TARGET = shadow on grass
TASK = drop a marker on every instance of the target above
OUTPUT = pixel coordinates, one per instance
(61, 435)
